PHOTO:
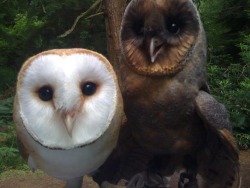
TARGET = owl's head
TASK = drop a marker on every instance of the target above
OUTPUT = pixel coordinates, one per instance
(67, 98)
(158, 36)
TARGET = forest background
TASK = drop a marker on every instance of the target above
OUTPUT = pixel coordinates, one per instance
(28, 27)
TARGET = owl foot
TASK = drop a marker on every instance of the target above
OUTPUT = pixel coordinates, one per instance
(188, 180)
(121, 184)
(148, 180)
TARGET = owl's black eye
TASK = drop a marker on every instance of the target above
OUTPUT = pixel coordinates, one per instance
(89, 88)
(138, 27)
(173, 28)
(45, 93)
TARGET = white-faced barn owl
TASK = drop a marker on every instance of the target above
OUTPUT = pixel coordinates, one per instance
(172, 121)
(67, 111)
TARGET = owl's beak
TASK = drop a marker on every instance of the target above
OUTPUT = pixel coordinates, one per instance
(69, 118)
(155, 48)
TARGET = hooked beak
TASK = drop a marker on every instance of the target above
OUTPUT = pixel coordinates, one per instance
(69, 119)
(155, 48)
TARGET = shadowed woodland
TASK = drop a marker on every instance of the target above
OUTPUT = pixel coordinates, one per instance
(31, 26)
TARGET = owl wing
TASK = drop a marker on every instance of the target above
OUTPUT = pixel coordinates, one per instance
(221, 150)
(216, 121)
(25, 154)
(21, 141)
(22, 150)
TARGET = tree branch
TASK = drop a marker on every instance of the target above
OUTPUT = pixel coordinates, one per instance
(44, 10)
(92, 8)
(93, 15)
(3, 1)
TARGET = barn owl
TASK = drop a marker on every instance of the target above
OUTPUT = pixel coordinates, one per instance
(67, 111)
(172, 120)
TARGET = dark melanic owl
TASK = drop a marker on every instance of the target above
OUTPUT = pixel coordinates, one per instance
(173, 122)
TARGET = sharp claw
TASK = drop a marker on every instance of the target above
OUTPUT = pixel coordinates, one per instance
(148, 180)
(188, 180)
(183, 177)
(137, 181)
(154, 179)
(110, 185)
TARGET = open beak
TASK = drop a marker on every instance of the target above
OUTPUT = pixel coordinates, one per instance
(69, 120)
(155, 48)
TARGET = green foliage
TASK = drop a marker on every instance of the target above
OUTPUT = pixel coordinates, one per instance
(29, 27)
(9, 154)
(245, 49)
(35, 26)
(8, 78)
(228, 35)
(231, 86)
(6, 108)
(243, 140)
(224, 21)
(17, 38)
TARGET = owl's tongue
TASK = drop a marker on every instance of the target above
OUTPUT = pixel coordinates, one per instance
(155, 48)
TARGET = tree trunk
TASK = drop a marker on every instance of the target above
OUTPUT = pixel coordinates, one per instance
(114, 10)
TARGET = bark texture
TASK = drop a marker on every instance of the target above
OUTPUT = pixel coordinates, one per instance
(114, 10)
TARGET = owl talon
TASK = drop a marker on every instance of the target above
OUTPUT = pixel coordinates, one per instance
(110, 185)
(148, 180)
(187, 180)
(188, 185)
(137, 181)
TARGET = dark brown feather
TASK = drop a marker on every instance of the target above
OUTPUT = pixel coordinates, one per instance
(171, 122)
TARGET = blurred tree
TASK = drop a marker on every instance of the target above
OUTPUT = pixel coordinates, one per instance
(225, 21)
(228, 31)
(29, 27)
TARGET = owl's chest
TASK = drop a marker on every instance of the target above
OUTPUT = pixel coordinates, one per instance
(65, 164)
(68, 163)
(162, 115)
(159, 97)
